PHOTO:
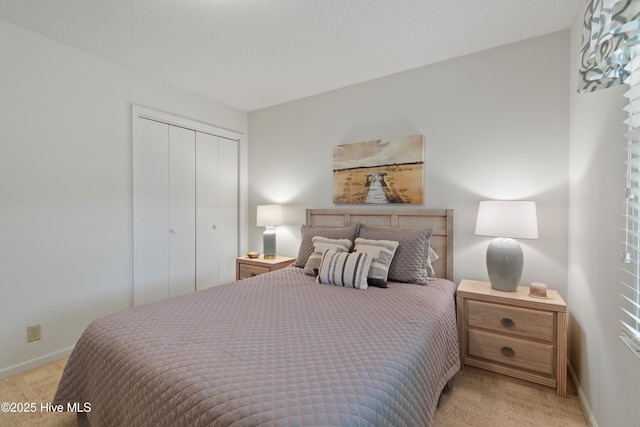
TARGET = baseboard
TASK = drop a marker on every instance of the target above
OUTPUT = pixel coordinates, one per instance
(34, 363)
(582, 398)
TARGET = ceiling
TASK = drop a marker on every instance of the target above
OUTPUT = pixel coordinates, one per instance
(251, 54)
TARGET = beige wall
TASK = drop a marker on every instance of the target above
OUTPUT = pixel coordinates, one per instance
(495, 125)
(65, 188)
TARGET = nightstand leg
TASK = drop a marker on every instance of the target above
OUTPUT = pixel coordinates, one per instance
(460, 319)
(561, 362)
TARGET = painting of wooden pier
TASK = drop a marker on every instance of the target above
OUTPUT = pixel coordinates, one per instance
(379, 171)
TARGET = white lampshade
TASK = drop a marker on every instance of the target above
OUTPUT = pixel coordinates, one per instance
(501, 218)
(506, 220)
(269, 215)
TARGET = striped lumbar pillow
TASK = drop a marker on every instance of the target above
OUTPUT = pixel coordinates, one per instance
(382, 252)
(320, 245)
(344, 269)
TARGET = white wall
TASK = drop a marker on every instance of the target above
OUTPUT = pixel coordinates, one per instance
(608, 373)
(495, 125)
(65, 188)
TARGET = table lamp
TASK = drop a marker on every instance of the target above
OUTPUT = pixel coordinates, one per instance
(506, 220)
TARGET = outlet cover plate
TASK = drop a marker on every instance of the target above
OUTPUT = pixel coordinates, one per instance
(34, 333)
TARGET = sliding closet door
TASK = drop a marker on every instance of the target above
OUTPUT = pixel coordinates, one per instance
(228, 208)
(151, 214)
(182, 211)
(217, 210)
(207, 224)
(165, 211)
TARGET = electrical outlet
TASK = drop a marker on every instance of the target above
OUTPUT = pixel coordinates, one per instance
(33, 333)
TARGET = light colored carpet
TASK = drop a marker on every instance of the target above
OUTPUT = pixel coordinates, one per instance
(36, 386)
(477, 399)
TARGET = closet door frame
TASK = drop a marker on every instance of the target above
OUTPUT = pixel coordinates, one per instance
(143, 112)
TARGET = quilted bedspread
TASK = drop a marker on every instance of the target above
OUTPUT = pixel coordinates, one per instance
(277, 349)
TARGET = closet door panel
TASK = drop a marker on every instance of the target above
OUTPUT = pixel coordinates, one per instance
(182, 200)
(207, 223)
(228, 208)
(185, 205)
(151, 243)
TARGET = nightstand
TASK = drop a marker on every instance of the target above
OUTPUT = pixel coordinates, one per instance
(514, 334)
(249, 267)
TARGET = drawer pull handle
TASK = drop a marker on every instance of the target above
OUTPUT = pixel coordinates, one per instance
(253, 274)
(507, 322)
(507, 351)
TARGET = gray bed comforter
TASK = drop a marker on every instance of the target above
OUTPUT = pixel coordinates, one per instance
(277, 349)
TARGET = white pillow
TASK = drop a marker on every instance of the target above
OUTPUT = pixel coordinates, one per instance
(382, 252)
(320, 245)
(431, 258)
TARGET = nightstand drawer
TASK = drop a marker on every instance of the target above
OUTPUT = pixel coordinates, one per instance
(510, 351)
(249, 267)
(251, 270)
(521, 322)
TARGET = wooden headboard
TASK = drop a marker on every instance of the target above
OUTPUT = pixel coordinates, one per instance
(414, 219)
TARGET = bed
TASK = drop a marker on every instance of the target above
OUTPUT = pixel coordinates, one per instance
(279, 348)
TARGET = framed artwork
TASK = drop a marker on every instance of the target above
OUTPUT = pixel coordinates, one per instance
(380, 171)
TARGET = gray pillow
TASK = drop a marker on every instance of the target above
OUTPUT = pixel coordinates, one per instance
(409, 263)
(307, 233)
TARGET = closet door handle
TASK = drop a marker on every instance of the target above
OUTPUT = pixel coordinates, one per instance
(172, 230)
